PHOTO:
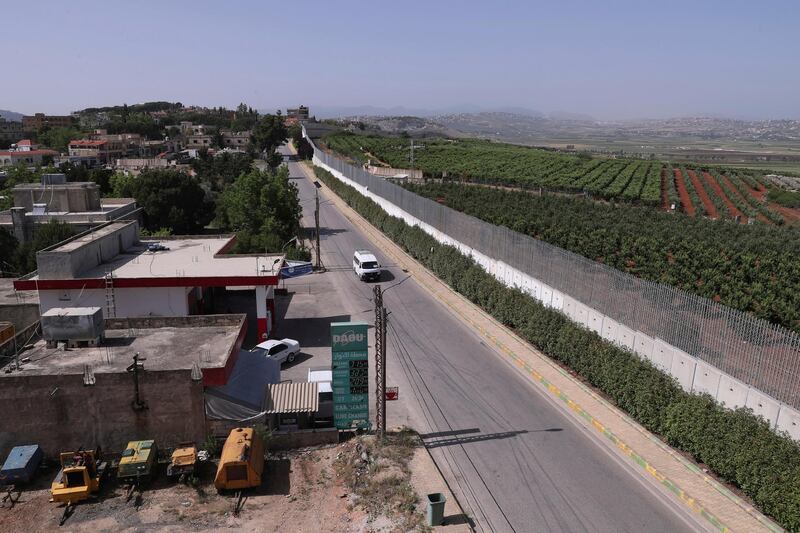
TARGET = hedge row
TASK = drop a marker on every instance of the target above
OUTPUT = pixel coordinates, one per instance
(736, 445)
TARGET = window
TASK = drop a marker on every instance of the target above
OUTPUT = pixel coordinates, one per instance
(370, 264)
(277, 349)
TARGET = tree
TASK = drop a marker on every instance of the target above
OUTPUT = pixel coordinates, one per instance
(219, 171)
(57, 138)
(45, 235)
(269, 133)
(263, 208)
(8, 250)
(171, 200)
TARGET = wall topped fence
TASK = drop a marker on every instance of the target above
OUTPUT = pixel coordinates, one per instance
(739, 359)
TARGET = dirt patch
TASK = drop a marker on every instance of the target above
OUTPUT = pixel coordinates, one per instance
(683, 194)
(301, 492)
(792, 215)
(712, 182)
(711, 209)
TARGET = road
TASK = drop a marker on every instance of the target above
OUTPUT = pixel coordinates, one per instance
(512, 458)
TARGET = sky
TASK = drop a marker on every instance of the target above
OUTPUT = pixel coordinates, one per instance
(610, 59)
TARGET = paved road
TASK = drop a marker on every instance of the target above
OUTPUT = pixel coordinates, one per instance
(515, 462)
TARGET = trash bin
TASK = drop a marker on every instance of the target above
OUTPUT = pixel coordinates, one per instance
(436, 509)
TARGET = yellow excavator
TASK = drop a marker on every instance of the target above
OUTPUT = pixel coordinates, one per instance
(79, 477)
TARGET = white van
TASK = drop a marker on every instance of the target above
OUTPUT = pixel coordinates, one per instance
(366, 265)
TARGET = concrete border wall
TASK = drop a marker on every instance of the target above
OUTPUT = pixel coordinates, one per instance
(683, 367)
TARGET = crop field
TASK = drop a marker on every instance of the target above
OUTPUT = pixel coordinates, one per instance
(753, 268)
(708, 192)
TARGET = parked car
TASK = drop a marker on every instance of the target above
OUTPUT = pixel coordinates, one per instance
(280, 350)
(366, 265)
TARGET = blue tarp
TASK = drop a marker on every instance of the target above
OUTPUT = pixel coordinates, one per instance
(244, 395)
(294, 269)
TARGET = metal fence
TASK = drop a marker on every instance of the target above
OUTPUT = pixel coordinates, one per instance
(763, 355)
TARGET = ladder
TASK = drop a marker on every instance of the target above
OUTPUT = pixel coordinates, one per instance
(111, 306)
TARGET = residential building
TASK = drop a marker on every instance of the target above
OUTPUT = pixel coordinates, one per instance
(99, 151)
(298, 113)
(30, 157)
(236, 139)
(40, 120)
(25, 145)
(198, 141)
(76, 203)
(113, 268)
(11, 131)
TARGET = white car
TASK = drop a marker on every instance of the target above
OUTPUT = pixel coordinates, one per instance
(366, 266)
(283, 350)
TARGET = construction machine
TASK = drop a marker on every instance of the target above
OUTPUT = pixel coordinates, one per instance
(79, 477)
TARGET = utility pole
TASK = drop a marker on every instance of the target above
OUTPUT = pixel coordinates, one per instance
(316, 221)
(412, 154)
(380, 363)
(135, 368)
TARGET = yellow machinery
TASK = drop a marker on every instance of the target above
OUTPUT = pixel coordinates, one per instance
(138, 461)
(79, 477)
(184, 459)
(241, 462)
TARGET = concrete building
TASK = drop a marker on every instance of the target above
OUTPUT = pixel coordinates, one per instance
(198, 141)
(112, 268)
(29, 158)
(64, 398)
(11, 131)
(97, 151)
(298, 113)
(39, 120)
(236, 139)
(77, 204)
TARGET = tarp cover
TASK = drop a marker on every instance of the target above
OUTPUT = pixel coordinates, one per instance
(243, 397)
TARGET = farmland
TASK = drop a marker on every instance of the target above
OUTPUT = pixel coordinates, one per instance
(710, 192)
(753, 268)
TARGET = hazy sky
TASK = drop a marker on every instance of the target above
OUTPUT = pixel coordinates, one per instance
(608, 59)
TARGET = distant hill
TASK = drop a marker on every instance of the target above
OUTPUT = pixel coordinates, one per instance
(11, 115)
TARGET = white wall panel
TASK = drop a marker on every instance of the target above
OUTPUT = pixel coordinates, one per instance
(581, 314)
(547, 295)
(609, 331)
(662, 355)
(789, 421)
(682, 368)
(706, 379)
(558, 300)
(625, 336)
(595, 321)
(732, 393)
(763, 405)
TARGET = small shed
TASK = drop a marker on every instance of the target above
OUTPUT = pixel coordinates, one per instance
(292, 405)
(21, 464)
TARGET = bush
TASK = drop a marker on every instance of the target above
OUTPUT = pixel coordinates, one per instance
(736, 445)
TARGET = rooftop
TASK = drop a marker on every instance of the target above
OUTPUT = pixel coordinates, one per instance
(10, 296)
(166, 343)
(183, 257)
(86, 142)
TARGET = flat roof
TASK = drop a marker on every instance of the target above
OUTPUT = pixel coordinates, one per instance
(189, 257)
(174, 346)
